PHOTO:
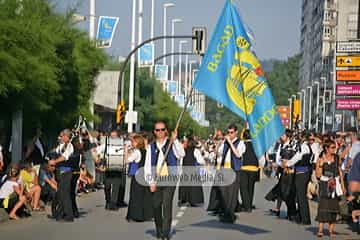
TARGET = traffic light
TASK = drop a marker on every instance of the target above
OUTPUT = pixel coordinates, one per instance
(199, 42)
(120, 112)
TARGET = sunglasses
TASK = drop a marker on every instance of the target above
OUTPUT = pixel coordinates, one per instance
(230, 132)
(52, 166)
(160, 129)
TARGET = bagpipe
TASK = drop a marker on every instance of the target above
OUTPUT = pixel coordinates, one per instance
(80, 131)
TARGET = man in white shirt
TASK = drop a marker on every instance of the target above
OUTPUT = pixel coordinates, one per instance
(230, 152)
(157, 165)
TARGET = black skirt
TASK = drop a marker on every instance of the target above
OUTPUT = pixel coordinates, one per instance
(140, 202)
(328, 210)
(191, 194)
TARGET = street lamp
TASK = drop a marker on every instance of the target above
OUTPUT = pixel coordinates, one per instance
(152, 27)
(317, 105)
(166, 5)
(310, 106)
(181, 43)
(188, 82)
(176, 20)
(291, 110)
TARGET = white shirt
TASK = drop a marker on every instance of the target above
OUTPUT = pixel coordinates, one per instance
(7, 188)
(134, 156)
(66, 153)
(241, 148)
(177, 148)
(316, 149)
(298, 155)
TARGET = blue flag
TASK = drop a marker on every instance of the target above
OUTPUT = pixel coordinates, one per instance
(232, 75)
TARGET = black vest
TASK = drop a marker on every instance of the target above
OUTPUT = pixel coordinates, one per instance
(249, 157)
(189, 159)
(288, 151)
(306, 159)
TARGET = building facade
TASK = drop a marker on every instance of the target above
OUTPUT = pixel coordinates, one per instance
(323, 23)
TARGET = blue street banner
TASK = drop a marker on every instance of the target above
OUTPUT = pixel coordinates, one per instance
(171, 87)
(180, 99)
(161, 72)
(231, 74)
(106, 30)
(146, 55)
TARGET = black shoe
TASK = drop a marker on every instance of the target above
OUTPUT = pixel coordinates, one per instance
(274, 212)
(51, 217)
(122, 204)
(76, 215)
(159, 236)
(64, 220)
(107, 206)
(292, 218)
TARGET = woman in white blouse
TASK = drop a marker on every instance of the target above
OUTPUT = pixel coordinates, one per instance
(139, 209)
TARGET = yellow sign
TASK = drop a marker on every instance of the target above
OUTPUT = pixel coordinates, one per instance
(297, 110)
(348, 61)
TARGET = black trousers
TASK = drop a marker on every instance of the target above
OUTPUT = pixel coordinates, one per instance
(229, 199)
(114, 187)
(162, 205)
(301, 182)
(288, 193)
(48, 194)
(247, 186)
(74, 179)
(121, 196)
(64, 207)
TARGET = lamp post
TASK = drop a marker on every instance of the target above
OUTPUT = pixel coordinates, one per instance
(324, 105)
(304, 106)
(189, 82)
(186, 76)
(176, 20)
(300, 98)
(317, 105)
(181, 43)
(152, 29)
(310, 107)
(132, 70)
(166, 5)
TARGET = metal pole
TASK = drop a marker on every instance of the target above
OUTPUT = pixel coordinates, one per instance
(132, 69)
(186, 75)
(173, 46)
(166, 5)
(180, 66)
(291, 109)
(317, 105)
(300, 99)
(324, 106)
(92, 38)
(141, 16)
(310, 107)
(92, 20)
(152, 32)
(304, 107)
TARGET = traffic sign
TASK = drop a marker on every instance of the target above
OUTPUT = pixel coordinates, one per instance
(348, 61)
(348, 75)
(348, 47)
(348, 104)
(348, 90)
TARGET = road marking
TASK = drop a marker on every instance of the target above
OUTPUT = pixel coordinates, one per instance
(183, 208)
(174, 223)
(178, 216)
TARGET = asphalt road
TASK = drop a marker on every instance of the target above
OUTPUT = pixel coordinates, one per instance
(189, 223)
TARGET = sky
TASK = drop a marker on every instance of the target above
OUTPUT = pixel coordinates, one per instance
(275, 23)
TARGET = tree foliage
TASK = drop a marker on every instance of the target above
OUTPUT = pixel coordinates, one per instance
(47, 66)
(284, 79)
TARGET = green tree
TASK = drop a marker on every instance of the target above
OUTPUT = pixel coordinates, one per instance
(47, 67)
(284, 79)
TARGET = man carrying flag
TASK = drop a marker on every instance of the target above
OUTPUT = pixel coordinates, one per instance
(232, 75)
